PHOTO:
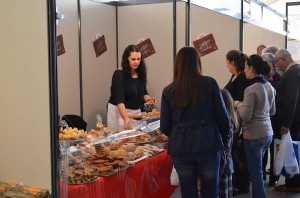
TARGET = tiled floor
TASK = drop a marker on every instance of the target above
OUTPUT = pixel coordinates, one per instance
(270, 192)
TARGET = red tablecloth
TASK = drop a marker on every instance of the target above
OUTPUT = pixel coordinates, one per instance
(147, 178)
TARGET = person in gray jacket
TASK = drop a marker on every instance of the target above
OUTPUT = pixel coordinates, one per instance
(195, 118)
(255, 111)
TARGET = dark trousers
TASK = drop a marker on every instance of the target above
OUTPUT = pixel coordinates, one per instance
(241, 176)
(295, 133)
(207, 165)
(276, 126)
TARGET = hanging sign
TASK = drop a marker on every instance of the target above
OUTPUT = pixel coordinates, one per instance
(205, 44)
(100, 46)
(146, 47)
(60, 45)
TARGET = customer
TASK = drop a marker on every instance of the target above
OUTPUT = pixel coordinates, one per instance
(259, 49)
(226, 189)
(235, 61)
(128, 88)
(270, 49)
(194, 117)
(274, 78)
(288, 106)
(255, 111)
(273, 49)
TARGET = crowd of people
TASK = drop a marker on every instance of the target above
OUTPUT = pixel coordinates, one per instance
(221, 136)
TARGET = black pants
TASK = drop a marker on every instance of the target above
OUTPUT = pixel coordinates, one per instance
(241, 176)
(295, 133)
(276, 126)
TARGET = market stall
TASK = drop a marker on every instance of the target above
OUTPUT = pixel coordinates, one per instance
(105, 163)
(149, 177)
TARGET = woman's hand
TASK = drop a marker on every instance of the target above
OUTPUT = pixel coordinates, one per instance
(127, 125)
(236, 102)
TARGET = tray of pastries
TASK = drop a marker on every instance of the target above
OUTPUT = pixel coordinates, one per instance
(141, 139)
(79, 175)
(71, 135)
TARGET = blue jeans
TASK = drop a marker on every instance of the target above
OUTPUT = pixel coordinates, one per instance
(255, 149)
(206, 165)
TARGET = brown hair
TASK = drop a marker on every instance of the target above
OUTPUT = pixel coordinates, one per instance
(187, 69)
(238, 58)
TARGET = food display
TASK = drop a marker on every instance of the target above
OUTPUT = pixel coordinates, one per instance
(95, 135)
(9, 190)
(79, 175)
(105, 152)
(146, 115)
(141, 139)
(71, 134)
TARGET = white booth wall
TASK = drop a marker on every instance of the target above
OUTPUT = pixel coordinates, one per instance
(154, 21)
(255, 35)
(226, 37)
(24, 101)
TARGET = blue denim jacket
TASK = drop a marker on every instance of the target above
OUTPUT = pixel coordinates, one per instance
(195, 128)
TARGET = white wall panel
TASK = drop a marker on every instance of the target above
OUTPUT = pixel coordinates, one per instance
(225, 30)
(255, 36)
(97, 18)
(68, 63)
(24, 101)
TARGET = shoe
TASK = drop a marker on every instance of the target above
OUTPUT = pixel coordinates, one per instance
(272, 183)
(284, 188)
(237, 191)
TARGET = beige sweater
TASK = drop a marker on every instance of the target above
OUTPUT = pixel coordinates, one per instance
(255, 110)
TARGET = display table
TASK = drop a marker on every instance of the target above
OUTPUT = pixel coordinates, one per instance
(147, 178)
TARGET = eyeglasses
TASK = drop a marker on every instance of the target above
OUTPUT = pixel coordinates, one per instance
(276, 61)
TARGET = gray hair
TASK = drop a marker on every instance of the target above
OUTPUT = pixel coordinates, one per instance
(270, 49)
(268, 57)
(284, 53)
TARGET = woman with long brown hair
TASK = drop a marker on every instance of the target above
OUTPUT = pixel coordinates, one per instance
(194, 117)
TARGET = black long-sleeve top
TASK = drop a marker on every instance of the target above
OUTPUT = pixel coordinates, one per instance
(128, 91)
(237, 87)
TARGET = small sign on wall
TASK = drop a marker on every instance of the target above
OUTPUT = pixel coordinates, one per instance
(100, 46)
(205, 44)
(146, 47)
(60, 45)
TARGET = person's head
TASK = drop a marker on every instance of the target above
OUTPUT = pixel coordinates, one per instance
(229, 103)
(256, 66)
(235, 61)
(133, 62)
(270, 49)
(187, 56)
(187, 69)
(283, 58)
(270, 59)
(259, 49)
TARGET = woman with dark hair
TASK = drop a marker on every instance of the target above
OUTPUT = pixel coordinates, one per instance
(128, 88)
(255, 111)
(194, 117)
(235, 61)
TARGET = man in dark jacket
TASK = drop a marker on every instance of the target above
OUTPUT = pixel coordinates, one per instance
(288, 107)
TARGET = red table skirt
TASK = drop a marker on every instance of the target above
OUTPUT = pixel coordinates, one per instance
(147, 178)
